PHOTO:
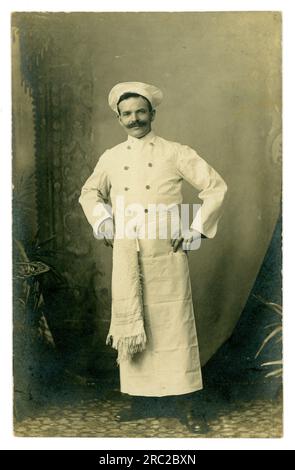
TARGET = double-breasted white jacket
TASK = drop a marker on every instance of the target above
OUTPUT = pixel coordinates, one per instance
(144, 172)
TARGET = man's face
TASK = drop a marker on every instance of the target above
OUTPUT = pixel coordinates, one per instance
(135, 116)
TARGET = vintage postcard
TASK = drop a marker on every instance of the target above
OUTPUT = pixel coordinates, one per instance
(147, 224)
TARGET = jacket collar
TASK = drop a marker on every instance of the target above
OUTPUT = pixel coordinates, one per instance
(147, 139)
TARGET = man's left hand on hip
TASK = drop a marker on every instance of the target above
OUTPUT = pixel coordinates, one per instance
(190, 240)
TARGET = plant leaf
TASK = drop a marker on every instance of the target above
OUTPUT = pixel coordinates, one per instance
(272, 324)
(21, 250)
(272, 363)
(268, 338)
(47, 240)
(276, 307)
(275, 373)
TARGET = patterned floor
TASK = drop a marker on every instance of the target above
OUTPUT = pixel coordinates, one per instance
(94, 417)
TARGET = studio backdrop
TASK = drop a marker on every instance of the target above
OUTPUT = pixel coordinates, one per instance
(221, 78)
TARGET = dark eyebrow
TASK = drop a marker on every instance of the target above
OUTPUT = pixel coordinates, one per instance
(128, 112)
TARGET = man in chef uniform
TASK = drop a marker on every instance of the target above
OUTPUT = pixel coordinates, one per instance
(153, 324)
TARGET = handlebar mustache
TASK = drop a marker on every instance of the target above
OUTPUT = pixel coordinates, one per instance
(137, 124)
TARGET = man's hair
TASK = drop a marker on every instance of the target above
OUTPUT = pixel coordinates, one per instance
(127, 95)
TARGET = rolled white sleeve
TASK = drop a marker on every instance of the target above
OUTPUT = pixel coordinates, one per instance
(95, 194)
(211, 186)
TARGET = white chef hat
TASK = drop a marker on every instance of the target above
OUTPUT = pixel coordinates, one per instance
(152, 93)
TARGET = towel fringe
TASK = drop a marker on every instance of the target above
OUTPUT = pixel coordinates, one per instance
(127, 346)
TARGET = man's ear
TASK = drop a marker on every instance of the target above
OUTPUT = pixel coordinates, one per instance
(119, 119)
(153, 114)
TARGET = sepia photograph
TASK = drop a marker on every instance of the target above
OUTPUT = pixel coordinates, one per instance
(147, 224)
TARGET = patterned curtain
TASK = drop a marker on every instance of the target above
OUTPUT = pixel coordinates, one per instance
(56, 69)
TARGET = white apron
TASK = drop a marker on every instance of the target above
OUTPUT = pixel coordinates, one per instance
(170, 364)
